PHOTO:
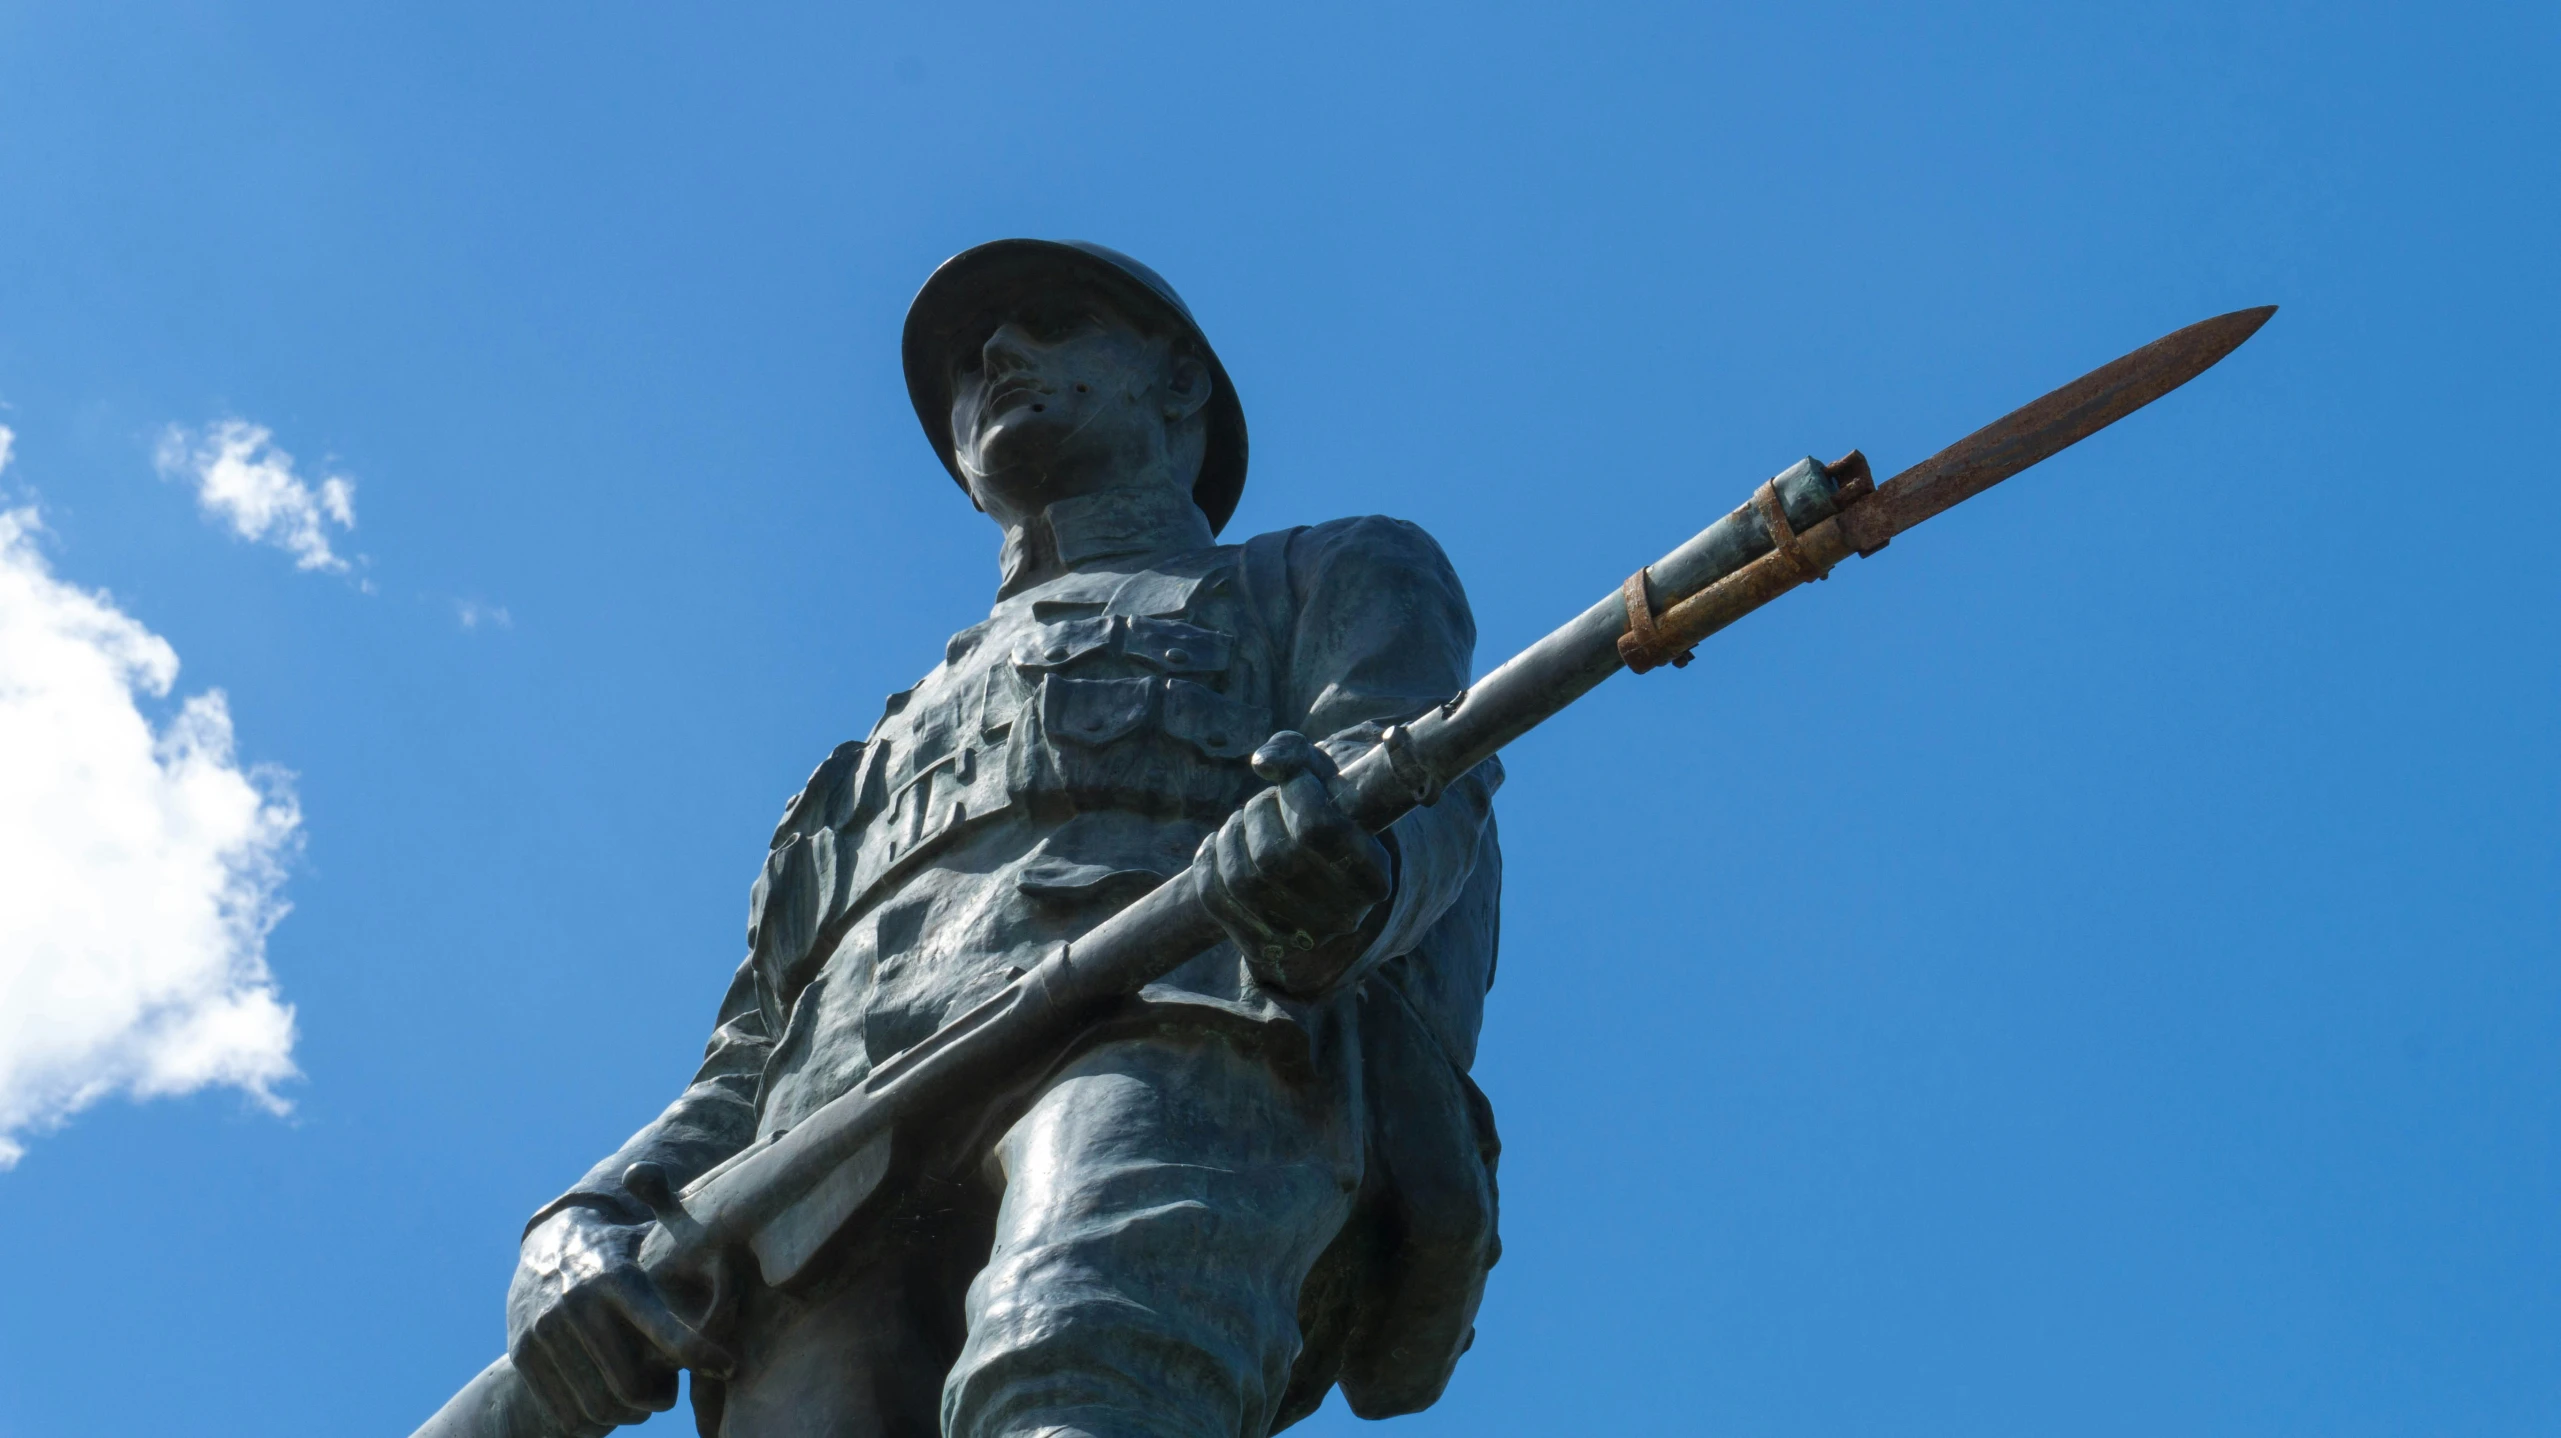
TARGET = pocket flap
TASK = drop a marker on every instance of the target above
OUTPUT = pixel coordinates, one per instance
(1094, 711)
(1054, 645)
(1179, 648)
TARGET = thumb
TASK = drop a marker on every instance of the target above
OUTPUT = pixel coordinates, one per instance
(1288, 754)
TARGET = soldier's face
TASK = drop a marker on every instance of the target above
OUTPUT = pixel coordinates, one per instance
(1068, 396)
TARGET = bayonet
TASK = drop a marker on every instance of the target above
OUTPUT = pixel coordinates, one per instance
(780, 1202)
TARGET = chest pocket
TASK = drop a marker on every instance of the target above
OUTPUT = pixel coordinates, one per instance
(1127, 712)
(1094, 711)
(1089, 713)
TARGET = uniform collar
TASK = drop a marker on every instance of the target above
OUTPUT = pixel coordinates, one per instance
(1125, 521)
(1074, 533)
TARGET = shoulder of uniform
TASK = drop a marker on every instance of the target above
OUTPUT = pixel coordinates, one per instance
(827, 800)
(1372, 542)
(1373, 532)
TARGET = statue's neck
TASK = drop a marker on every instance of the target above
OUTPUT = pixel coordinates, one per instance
(1115, 524)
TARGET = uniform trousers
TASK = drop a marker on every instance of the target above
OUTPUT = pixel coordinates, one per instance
(1130, 1268)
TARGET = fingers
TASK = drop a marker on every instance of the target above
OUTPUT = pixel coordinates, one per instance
(637, 1380)
(1294, 869)
(573, 1356)
(555, 1363)
(589, 1332)
(1318, 866)
(1273, 875)
(606, 1353)
(679, 1342)
(1330, 834)
(1230, 887)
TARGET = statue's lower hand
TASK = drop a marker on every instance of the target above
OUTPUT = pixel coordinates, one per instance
(1290, 877)
(588, 1331)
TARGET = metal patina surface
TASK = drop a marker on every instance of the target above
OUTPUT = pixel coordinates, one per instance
(1098, 1064)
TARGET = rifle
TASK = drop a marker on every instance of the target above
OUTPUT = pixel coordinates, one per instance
(781, 1201)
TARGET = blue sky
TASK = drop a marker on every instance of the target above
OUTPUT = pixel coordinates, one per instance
(2088, 969)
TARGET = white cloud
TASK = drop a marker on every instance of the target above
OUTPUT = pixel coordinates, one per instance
(141, 866)
(473, 614)
(242, 479)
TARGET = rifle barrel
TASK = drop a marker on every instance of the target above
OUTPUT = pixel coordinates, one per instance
(777, 1199)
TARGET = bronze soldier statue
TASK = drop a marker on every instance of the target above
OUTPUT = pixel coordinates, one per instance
(1099, 1061)
(1265, 1175)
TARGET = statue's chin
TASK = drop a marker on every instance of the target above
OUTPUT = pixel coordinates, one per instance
(1030, 472)
(1024, 489)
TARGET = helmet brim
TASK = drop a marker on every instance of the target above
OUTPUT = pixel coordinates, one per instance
(971, 293)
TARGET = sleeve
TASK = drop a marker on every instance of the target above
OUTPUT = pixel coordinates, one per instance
(713, 1118)
(716, 1114)
(1383, 633)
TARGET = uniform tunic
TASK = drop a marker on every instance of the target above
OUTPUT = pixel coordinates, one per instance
(1069, 753)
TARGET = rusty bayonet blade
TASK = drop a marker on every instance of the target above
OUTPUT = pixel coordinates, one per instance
(2065, 417)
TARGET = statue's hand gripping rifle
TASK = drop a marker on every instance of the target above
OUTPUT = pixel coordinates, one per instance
(782, 1199)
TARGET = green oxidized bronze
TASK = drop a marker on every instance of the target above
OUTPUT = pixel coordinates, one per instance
(1099, 1060)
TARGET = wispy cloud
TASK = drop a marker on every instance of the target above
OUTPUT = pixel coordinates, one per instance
(472, 614)
(242, 479)
(141, 866)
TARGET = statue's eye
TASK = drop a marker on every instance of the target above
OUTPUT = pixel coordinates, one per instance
(1049, 323)
(1038, 321)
